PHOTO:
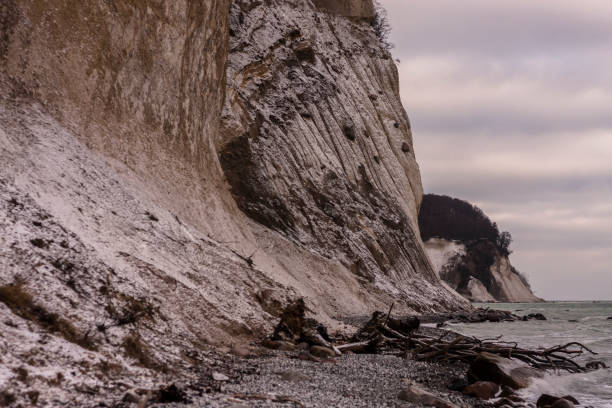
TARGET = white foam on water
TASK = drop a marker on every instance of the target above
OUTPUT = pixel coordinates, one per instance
(592, 329)
(589, 388)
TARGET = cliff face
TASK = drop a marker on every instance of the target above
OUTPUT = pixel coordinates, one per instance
(132, 81)
(138, 208)
(317, 147)
(479, 271)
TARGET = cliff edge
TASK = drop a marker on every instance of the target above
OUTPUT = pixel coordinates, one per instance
(174, 173)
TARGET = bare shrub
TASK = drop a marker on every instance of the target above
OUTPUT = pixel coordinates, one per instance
(381, 26)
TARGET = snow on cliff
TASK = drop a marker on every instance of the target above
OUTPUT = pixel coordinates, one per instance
(139, 213)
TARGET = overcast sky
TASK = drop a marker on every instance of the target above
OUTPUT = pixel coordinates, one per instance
(511, 109)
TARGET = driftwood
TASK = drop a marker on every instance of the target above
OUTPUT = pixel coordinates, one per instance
(376, 336)
(384, 334)
(466, 349)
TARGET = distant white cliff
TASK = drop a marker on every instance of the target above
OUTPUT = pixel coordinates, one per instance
(469, 253)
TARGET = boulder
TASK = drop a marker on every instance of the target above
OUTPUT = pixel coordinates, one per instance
(219, 377)
(546, 400)
(562, 403)
(507, 391)
(550, 401)
(571, 399)
(502, 371)
(416, 395)
(482, 389)
(534, 316)
(131, 397)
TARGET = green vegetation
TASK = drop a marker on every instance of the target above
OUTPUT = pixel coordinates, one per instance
(457, 220)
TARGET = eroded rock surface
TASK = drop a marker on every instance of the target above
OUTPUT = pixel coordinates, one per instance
(313, 136)
(141, 215)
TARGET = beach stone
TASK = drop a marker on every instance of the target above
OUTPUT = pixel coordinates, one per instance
(219, 377)
(482, 389)
(505, 402)
(610, 318)
(502, 371)
(131, 397)
(546, 400)
(507, 392)
(562, 403)
(322, 352)
(416, 395)
(571, 399)
(534, 316)
(551, 401)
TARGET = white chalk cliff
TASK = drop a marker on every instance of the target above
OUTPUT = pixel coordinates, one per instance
(176, 171)
(458, 265)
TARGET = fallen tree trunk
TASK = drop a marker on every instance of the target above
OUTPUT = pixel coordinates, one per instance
(376, 336)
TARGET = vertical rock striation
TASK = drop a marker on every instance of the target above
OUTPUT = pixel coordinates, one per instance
(317, 146)
(141, 213)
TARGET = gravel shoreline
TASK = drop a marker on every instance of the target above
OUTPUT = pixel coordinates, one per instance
(346, 381)
(268, 378)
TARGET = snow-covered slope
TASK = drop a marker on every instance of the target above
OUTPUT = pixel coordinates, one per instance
(121, 226)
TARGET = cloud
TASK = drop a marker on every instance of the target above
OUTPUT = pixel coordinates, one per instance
(511, 109)
(498, 96)
(501, 27)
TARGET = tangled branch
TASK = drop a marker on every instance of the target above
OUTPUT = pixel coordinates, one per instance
(382, 334)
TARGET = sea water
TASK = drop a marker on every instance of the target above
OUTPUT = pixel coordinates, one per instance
(584, 322)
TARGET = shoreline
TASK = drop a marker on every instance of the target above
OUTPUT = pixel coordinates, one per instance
(254, 375)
